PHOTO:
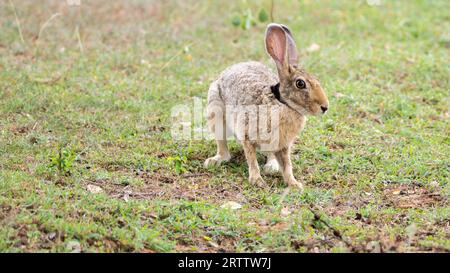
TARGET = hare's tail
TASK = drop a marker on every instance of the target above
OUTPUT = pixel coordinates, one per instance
(214, 94)
(215, 111)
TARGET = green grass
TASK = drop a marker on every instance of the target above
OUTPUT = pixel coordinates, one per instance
(96, 111)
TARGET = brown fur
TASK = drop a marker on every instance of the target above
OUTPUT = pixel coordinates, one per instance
(249, 84)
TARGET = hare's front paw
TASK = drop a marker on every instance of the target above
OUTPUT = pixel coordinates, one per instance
(271, 167)
(258, 181)
(216, 160)
(295, 184)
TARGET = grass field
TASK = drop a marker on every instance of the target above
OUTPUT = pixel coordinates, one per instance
(87, 161)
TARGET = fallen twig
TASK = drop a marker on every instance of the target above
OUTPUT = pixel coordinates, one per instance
(335, 232)
(189, 175)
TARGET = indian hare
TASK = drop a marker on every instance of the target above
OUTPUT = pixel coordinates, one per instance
(262, 110)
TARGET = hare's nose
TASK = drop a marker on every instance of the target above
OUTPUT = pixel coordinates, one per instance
(324, 109)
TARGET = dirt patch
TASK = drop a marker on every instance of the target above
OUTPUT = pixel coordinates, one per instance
(341, 206)
(166, 186)
(397, 196)
(315, 245)
(415, 196)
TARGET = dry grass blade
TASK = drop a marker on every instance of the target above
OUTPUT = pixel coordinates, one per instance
(174, 56)
(17, 22)
(44, 26)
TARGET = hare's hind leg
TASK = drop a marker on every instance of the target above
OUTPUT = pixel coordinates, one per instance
(272, 166)
(217, 125)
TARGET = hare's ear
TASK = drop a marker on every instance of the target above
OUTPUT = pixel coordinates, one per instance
(292, 53)
(276, 42)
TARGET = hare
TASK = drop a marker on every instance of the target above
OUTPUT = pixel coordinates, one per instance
(244, 94)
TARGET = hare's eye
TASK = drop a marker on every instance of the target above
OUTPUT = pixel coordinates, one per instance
(300, 84)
